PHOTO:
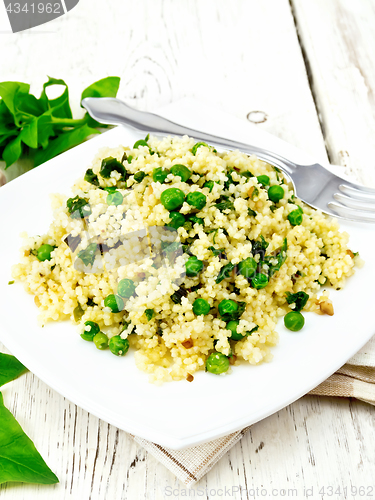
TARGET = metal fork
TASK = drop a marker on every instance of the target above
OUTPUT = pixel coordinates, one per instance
(313, 184)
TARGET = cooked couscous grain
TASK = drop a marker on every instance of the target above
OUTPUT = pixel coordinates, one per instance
(223, 239)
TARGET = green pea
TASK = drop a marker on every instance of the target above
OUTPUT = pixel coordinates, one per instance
(90, 334)
(294, 321)
(159, 174)
(295, 217)
(44, 252)
(232, 327)
(198, 145)
(114, 302)
(247, 267)
(217, 363)
(184, 172)
(209, 185)
(193, 266)
(172, 198)
(126, 288)
(227, 306)
(177, 220)
(118, 346)
(276, 193)
(196, 199)
(264, 180)
(101, 341)
(141, 142)
(110, 165)
(139, 176)
(115, 198)
(259, 281)
(201, 306)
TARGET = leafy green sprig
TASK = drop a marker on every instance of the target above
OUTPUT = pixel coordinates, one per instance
(41, 128)
(19, 459)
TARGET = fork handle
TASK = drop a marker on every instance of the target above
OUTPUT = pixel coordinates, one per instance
(114, 111)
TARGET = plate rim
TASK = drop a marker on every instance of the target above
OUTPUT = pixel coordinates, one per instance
(150, 433)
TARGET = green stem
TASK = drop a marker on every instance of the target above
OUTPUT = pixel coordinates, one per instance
(70, 122)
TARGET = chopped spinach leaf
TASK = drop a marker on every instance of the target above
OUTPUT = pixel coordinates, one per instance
(178, 294)
(149, 314)
(251, 212)
(88, 254)
(225, 272)
(299, 299)
(280, 257)
(78, 208)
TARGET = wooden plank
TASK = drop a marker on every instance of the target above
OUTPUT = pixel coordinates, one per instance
(313, 443)
(241, 59)
(338, 38)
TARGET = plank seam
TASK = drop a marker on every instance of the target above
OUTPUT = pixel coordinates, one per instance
(310, 77)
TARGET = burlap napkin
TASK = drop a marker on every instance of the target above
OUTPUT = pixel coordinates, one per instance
(356, 379)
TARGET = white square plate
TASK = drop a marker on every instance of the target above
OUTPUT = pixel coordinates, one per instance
(178, 414)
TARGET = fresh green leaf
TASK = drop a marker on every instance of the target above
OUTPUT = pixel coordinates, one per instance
(27, 106)
(60, 105)
(10, 368)
(106, 87)
(12, 151)
(19, 459)
(8, 93)
(6, 118)
(44, 123)
(29, 134)
(64, 142)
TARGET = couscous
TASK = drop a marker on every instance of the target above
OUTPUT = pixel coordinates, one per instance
(186, 255)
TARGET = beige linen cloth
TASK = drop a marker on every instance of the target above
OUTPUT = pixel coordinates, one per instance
(356, 379)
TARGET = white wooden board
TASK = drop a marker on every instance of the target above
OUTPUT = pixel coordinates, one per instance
(242, 56)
